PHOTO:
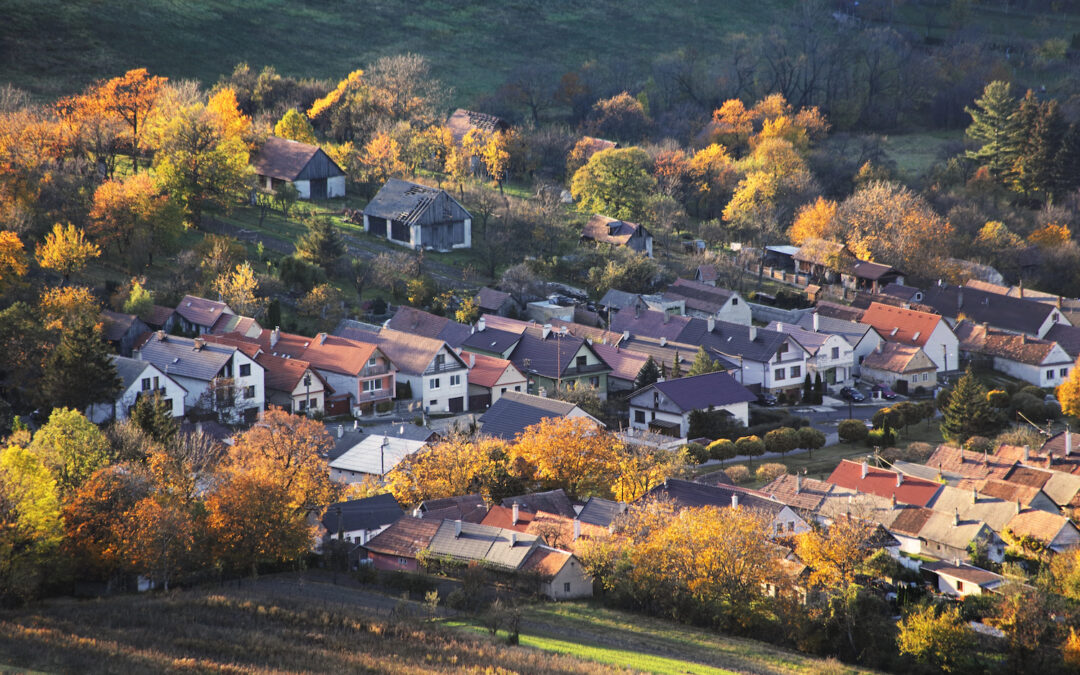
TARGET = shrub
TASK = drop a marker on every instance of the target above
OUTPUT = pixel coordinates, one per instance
(766, 473)
(852, 431)
(696, 453)
(1020, 436)
(998, 398)
(299, 274)
(978, 444)
(384, 406)
(722, 449)
(918, 452)
(738, 474)
(880, 437)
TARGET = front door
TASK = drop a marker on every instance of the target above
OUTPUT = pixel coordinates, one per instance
(318, 188)
(457, 404)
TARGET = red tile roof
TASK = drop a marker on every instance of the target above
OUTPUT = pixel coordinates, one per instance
(501, 516)
(547, 562)
(882, 482)
(405, 538)
(897, 324)
(487, 369)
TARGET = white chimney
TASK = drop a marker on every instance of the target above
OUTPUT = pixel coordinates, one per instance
(626, 335)
(481, 324)
(711, 324)
(753, 333)
(865, 468)
(817, 322)
(622, 507)
(322, 338)
(457, 528)
(1027, 452)
(974, 495)
(1068, 443)
(275, 335)
(899, 479)
(416, 512)
(515, 513)
(577, 529)
(663, 342)
(547, 330)
(340, 430)
(472, 360)
(798, 483)
(734, 500)
(779, 327)
(956, 517)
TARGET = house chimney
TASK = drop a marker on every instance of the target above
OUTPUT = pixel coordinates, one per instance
(734, 500)
(711, 324)
(956, 517)
(577, 529)
(959, 298)
(779, 326)
(753, 333)
(275, 335)
(515, 513)
(798, 483)
(416, 512)
(340, 430)
(199, 344)
(1068, 443)
(457, 528)
(899, 479)
(1018, 508)
(626, 335)
(481, 324)
(472, 360)
(322, 338)
(667, 317)
(1020, 288)
(565, 331)
(513, 539)
(663, 341)
(1027, 452)
(161, 335)
(1059, 302)
(817, 322)
(894, 501)
(622, 507)
(547, 330)
(865, 468)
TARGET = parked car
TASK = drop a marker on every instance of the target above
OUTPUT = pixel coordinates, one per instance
(767, 399)
(852, 394)
(884, 392)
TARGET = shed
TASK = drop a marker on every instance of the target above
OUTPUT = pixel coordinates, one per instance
(306, 166)
(418, 216)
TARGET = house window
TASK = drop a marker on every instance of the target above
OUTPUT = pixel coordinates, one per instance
(517, 387)
(734, 301)
(959, 585)
(402, 562)
(249, 392)
(566, 587)
(783, 349)
(778, 374)
(594, 382)
(157, 383)
(440, 360)
(791, 526)
(371, 362)
(302, 405)
(639, 416)
(796, 371)
(1064, 372)
(245, 370)
(455, 380)
(434, 383)
(656, 399)
(146, 384)
(925, 376)
(581, 361)
(372, 385)
(1050, 374)
(433, 403)
(503, 390)
(836, 352)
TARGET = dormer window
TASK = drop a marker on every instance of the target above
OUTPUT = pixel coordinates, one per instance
(581, 361)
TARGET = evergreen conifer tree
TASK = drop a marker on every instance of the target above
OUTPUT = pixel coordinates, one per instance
(676, 367)
(78, 371)
(703, 364)
(153, 415)
(994, 124)
(323, 245)
(968, 413)
(648, 374)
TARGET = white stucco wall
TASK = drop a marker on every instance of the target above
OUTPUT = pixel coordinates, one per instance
(335, 187)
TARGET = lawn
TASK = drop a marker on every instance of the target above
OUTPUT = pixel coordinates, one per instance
(52, 47)
(915, 154)
(622, 639)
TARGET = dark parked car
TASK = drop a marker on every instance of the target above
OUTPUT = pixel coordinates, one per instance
(852, 394)
(766, 399)
(885, 392)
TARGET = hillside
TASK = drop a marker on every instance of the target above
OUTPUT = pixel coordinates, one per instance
(53, 48)
(280, 624)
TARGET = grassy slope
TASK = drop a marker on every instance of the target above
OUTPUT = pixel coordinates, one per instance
(51, 47)
(279, 625)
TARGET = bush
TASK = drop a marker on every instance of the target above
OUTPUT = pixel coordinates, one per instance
(918, 452)
(722, 449)
(300, 275)
(880, 437)
(696, 453)
(998, 398)
(978, 444)
(767, 473)
(852, 431)
(384, 406)
(738, 474)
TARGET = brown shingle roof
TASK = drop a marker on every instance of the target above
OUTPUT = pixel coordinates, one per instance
(159, 315)
(200, 311)
(412, 354)
(490, 300)
(462, 121)
(807, 498)
(282, 158)
(1041, 525)
(405, 538)
(895, 357)
(609, 230)
(116, 325)
(547, 562)
(910, 520)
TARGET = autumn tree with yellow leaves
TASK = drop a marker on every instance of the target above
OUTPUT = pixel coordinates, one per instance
(239, 288)
(13, 260)
(569, 453)
(66, 250)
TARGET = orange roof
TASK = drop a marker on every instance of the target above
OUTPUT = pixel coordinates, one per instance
(897, 324)
(546, 561)
(882, 482)
(487, 369)
(968, 464)
(326, 352)
(285, 374)
(250, 349)
(500, 516)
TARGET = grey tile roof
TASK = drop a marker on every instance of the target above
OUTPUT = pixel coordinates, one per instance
(601, 512)
(470, 508)
(493, 545)
(405, 202)
(1068, 337)
(376, 454)
(129, 370)
(175, 355)
(649, 323)
(698, 296)
(999, 311)
(490, 300)
(370, 513)
(692, 495)
(418, 322)
(700, 392)
(116, 325)
(810, 340)
(200, 311)
(412, 354)
(514, 411)
(852, 331)
(616, 299)
(733, 338)
(550, 356)
(491, 340)
(552, 501)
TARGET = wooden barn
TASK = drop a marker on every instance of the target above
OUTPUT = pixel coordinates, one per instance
(418, 216)
(306, 166)
(463, 121)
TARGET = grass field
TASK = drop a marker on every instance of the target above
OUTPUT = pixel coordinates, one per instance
(287, 624)
(916, 153)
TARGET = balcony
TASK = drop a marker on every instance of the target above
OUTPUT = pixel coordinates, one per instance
(377, 369)
(447, 367)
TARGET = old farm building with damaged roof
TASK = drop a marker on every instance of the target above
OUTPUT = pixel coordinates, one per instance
(417, 216)
(306, 166)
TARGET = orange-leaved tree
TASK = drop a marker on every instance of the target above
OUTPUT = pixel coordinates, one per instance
(574, 454)
(132, 98)
(456, 465)
(12, 259)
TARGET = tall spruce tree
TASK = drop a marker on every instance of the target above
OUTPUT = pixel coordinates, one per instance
(1042, 131)
(648, 374)
(968, 412)
(153, 414)
(703, 364)
(676, 366)
(807, 389)
(819, 388)
(994, 124)
(323, 245)
(78, 371)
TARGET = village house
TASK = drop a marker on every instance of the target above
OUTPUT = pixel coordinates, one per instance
(783, 520)
(468, 508)
(374, 456)
(398, 547)
(961, 580)
(665, 406)
(705, 301)
(918, 329)
(291, 384)
(625, 366)
(553, 359)
(873, 277)
(829, 355)
(426, 324)
(903, 368)
(121, 330)
(306, 166)
(462, 121)
(358, 520)
(418, 216)
(436, 375)
(864, 338)
(490, 378)
(217, 378)
(514, 412)
(161, 318)
(198, 315)
(560, 531)
(823, 261)
(861, 477)
(491, 301)
(555, 502)
(706, 274)
(138, 379)
(1042, 363)
(604, 230)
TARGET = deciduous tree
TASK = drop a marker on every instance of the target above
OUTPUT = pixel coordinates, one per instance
(71, 447)
(133, 211)
(569, 453)
(454, 466)
(68, 307)
(614, 183)
(295, 126)
(132, 97)
(30, 527)
(12, 260)
(239, 288)
(816, 220)
(936, 637)
(66, 250)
